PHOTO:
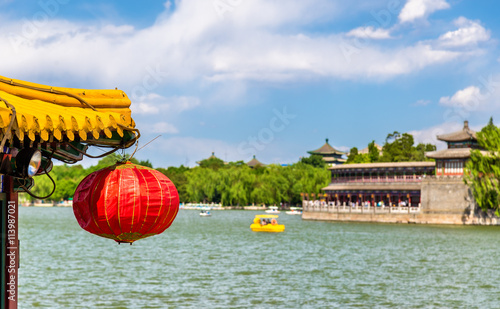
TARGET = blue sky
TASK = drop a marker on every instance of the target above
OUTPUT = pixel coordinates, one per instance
(266, 78)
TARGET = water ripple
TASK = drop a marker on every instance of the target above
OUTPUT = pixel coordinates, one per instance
(218, 262)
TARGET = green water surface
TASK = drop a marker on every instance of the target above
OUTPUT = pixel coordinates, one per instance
(218, 262)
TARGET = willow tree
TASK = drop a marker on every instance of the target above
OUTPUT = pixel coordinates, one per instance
(483, 169)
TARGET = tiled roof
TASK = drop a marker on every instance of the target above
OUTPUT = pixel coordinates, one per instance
(465, 134)
(254, 162)
(63, 122)
(453, 153)
(373, 186)
(326, 149)
(51, 112)
(384, 165)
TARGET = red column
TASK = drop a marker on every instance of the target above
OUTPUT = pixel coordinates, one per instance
(11, 243)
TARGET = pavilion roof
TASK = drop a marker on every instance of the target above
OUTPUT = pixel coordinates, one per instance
(452, 153)
(465, 134)
(254, 162)
(384, 165)
(326, 149)
(58, 120)
(334, 160)
(371, 186)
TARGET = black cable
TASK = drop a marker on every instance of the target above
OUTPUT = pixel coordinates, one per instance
(48, 175)
(36, 196)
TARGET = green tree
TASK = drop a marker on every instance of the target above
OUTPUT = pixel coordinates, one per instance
(314, 160)
(373, 152)
(212, 163)
(399, 148)
(356, 157)
(353, 154)
(483, 170)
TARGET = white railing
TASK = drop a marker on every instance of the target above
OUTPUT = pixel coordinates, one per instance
(332, 207)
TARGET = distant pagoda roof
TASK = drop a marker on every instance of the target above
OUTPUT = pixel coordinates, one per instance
(326, 149)
(211, 157)
(254, 162)
(466, 134)
(334, 160)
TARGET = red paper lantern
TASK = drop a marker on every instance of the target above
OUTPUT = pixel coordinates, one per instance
(126, 202)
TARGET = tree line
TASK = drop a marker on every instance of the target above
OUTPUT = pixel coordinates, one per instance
(397, 148)
(235, 183)
(212, 181)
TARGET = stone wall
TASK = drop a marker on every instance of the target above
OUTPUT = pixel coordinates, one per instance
(417, 218)
(444, 200)
(445, 195)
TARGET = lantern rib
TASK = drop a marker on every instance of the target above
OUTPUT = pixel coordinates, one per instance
(176, 210)
(92, 202)
(161, 199)
(147, 203)
(172, 217)
(120, 174)
(167, 215)
(133, 209)
(170, 202)
(106, 210)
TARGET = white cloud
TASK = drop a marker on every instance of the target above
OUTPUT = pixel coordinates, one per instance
(463, 98)
(422, 102)
(429, 135)
(154, 103)
(250, 43)
(469, 33)
(144, 108)
(370, 33)
(164, 127)
(418, 9)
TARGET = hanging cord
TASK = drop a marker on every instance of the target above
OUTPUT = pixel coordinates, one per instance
(8, 132)
(95, 157)
(136, 132)
(137, 145)
(50, 90)
(48, 175)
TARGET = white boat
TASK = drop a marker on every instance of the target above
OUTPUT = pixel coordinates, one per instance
(294, 211)
(205, 213)
(272, 210)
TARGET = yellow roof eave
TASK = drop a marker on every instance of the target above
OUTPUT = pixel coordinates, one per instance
(54, 112)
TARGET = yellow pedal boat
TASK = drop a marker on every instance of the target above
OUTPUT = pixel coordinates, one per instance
(267, 223)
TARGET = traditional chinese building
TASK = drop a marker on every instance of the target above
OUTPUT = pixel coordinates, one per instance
(451, 161)
(410, 192)
(331, 155)
(378, 183)
(254, 163)
(210, 158)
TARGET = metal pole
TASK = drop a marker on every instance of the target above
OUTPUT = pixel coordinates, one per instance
(10, 244)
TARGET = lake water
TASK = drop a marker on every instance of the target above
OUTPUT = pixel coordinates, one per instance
(217, 262)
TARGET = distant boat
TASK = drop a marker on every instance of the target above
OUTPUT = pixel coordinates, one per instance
(205, 213)
(266, 223)
(294, 211)
(272, 210)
